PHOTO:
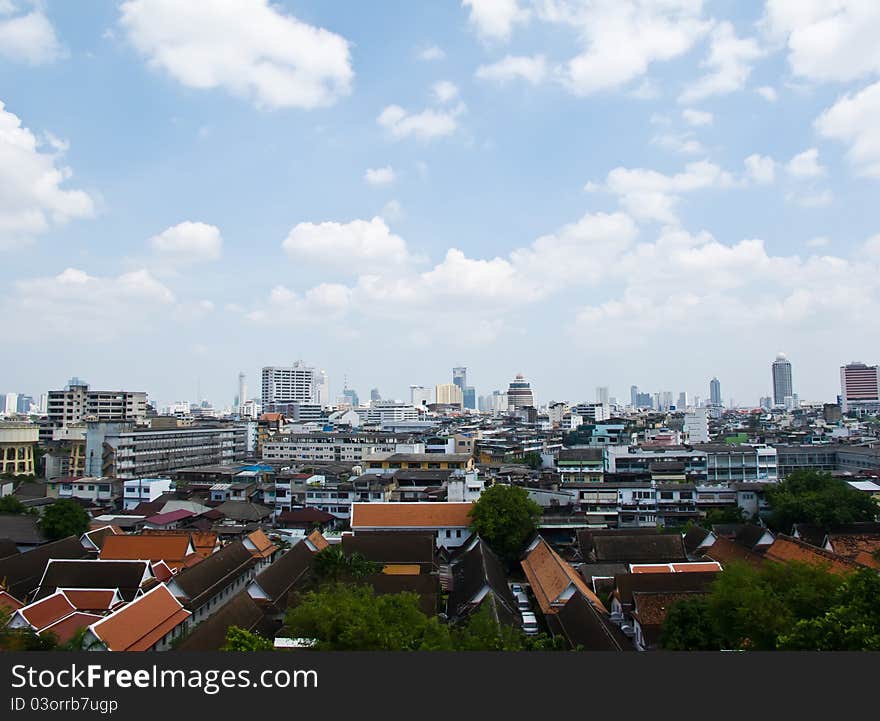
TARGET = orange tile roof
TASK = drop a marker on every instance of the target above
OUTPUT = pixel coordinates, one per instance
(786, 549)
(171, 549)
(142, 623)
(162, 571)
(724, 551)
(410, 515)
(695, 567)
(8, 602)
(48, 611)
(851, 545)
(318, 540)
(550, 577)
(66, 628)
(263, 546)
(205, 543)
(867, 559)
(91, 599)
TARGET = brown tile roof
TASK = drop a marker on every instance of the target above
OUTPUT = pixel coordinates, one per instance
(210, 634)
(651, 608)
(65, 629)
(142, 623)
(550, 577)
(852, 545)
(204, 542)
(410, 515)
(97, 536)
(48, 611)
(695, 567)
(317, 539)
(725, 551)
(92, 599)
(20, 574)
(8, 602)
(199, 584)
(173, 549)
(786, 549)
(263, 547)
(162, 571)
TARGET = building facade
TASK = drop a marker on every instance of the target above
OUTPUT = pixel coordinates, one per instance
(859, 387)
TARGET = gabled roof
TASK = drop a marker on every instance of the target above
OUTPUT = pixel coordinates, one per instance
(210, 634)
(317, 541)
(305, 515)
(554, 581)
(243, 511)
(426, 586)
(66, 628)
(786, 549)
(7, 548)
(276, 581)
(650, 610)
(723, 550)
(584, 626)
(93, 599)
(21, 528)
(94, 540)
(477, 570)
(208, 578)
(259, 545)
(694, 537)
(139, 625)
(128, 576)
(174, 550)
(9, 603)
(410, 515)
(47, 611)
(20, 574)
(162, 519)
(626, 548)
(392, 546)
(854, 546)
(689, 567)
(628, 584)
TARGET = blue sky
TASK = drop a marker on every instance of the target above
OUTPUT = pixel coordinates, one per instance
(592, 193)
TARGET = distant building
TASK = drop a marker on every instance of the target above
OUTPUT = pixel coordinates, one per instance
(602, 395)
(17, 442)
(375, 395)
(782, 386)
(696, 425)
(519, 394)
(715, 392)
(298, 382)
(78, 403)
(448, 394)
(859, 387)
(634, 396)
(421, 397)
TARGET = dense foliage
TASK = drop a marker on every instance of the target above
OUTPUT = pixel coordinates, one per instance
(819, 498)
(333, 564)
(239, 639)
(506, 518)
(64, 518)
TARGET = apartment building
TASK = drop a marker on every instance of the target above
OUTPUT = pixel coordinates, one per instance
(344, 447)
(78, 403)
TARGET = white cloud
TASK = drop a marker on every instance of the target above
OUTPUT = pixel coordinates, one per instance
(696, 117)
(511, 67)
(760, 169)
(188, 242)
(853, 120)
(495, 19)
(29, 38)
(379, 176)
(683, 143)
(425, 125)
(811, 198)
(827, 40)
(445, 91)
(392, 210)
(729, 64)
(32, 199)
(872, 247)
(247, 47)
(432, 53)
(819, 241)
(766, 92)
(805, 165)
(357, 246)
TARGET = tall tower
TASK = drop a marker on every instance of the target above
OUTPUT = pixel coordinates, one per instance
(242, 390)
(782, 386)
(715, 392)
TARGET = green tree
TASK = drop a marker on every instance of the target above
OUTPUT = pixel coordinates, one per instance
(506, 518)
(688, 627)
(238, 639)
(11, 504)
(533, 460)
(343, 617)
(734, 514)
(64, 518)
(481, 632)
(333, 564)
(851, 624)
(819, 498)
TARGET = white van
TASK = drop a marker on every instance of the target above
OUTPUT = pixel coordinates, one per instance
(530, 623)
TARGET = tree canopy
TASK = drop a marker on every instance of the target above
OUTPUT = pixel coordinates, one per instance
(506, 518)
(333, 564)
(239, 639)
(11, 504)
(778, 606)
(64, 518)
(819, 498)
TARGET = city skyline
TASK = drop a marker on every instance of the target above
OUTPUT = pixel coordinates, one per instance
(460, 183)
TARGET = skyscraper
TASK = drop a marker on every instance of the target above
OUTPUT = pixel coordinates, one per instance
(459, 377)
(519, 394)
(242, 391)
(602, 395)
(374, 395)
(715, 392)
(782, 387)
(634, 396)
(859, 387)
(297, 383)
(449, 394)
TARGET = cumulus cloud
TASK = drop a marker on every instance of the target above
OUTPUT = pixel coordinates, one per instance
(247, 47)
(696, 117)
(188, 242)
(729, 64)
(495, 19)
(426, 125)
(805, 165)
(33, 198)
(827, 41)
(853, 120)
(532, 69)
(445, 91)
(766, 92)
(432, 53)
(379, 176)
(357, 246)
(760, 169)
(27, 37)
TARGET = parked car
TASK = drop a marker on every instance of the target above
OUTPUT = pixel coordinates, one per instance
(522, 602)
(529, 623)
(516, 588)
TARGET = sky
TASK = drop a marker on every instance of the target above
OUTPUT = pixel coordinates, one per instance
(588, 192)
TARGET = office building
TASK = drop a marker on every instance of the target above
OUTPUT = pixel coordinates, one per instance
(715, 393)
(682, 400)
(602, 395)
(782, 386)
(519, 394)
(298, 382)
(448, 394)
(78, 403)
(375, 396)
(421, 397)
(859, 387)
(696, 425)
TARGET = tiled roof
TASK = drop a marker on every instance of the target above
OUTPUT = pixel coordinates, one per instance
(317, 540)
(724, 551)
(277, 580)
(626, 585)
(410, 515)
(786, 549)
(651, 608)
(47, 611)
(65, 629)
(305, 515)
(91, 599)
(850, 546)
(263, 547)
(550, 577)
(205, 580)
(126, 576)
(161, 519)
(656, 548)
(392, 546)
(210, 634)
(20, 574)
(695, 567)
(139, 625)
(171, 549)
(9, 602)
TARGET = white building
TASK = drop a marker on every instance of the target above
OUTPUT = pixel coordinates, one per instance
(387, 412)
(420, 397)
(143, 490)
(696, 425)
(297, 383)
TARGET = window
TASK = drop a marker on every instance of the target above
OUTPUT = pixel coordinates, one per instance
(666, 495)
(458, 534)
(448, 533)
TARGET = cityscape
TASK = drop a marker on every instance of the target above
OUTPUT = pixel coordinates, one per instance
(473, 326)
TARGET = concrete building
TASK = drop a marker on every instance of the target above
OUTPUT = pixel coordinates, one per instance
(715, 393)
(78, 403)
(143, 490)
(449, 394)
(17, 442)
(519, 394)
(120, 450)
(782, 386)
(341, 447)
(421, 397)
(298, 382)
(859, 387)
(387, 412)
(696, 425)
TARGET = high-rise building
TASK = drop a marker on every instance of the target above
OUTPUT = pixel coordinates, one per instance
(682, 400)
(644, 400)
(696, 425)
(242, 390)
(519, 394)
(634, 396)
(459, 377)
(602, 395)
(11, 404)
(448, 394)
(859, 387)
(77, 403)
(322, 391)
(298, 383)
(715, 393)
(420, 397)
(24, 403)
(351, 397)
(375, 396)
(782, 386)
